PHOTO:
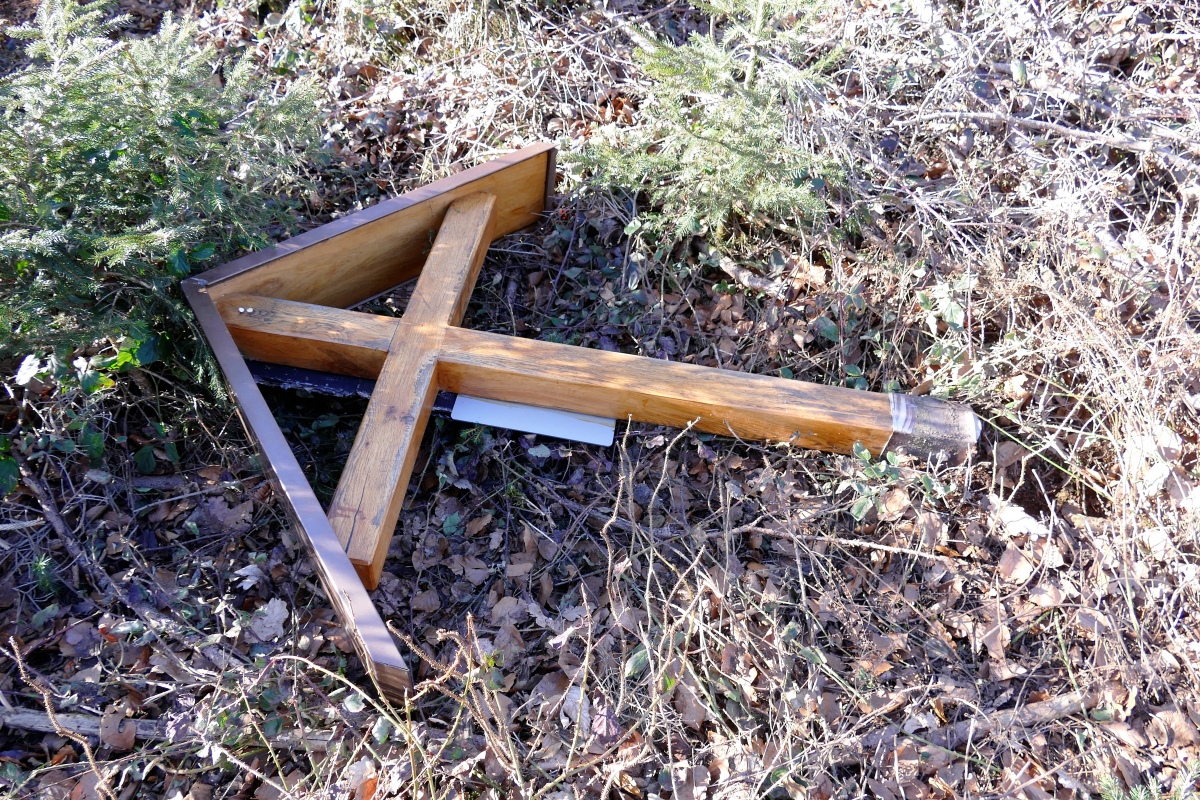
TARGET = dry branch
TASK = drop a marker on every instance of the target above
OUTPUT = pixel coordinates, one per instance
(1017, 722)
(148, 730)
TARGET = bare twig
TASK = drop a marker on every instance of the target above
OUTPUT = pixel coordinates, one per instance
(102, 783)
(1019, 721)
(1119, 142)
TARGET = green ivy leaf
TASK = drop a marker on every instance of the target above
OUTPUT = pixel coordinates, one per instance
(354, 703)
(827, 329)
(10, 476)
(46, 614)
(92, 381)
(381, 730)
(637, 662)
(953, 314)
(203, 252)
(148, 350)
(178, 263)
(272, 726)
(861, 507)
(144, 460)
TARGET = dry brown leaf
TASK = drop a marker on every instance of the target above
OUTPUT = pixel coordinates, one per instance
(995, 637)
(628, 617)
(55, 787)
(688, 703)
(214, 515)
(895, 502)
(361, 779)
(476, 526)
(520, 564)
(552, 687)
(509, 610)
(1015, 566)
(932, 530)
(1172, 728)
(1126, 734)
(1015, 521)
(627, 784)
(88, 787)
(273, 790)
(210, 473)
(885, 791)
(475, 570)
(116, 731)
(1092, 621)
(1009, 453)
(509, 644)
(1046, 595)
(577, 710)
(688, 782)
(426, 601)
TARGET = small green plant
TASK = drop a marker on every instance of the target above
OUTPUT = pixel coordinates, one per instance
(1185, 787)
(873, 479)
(125, 164)
(720, 134)
(10, 475)
(44, 572)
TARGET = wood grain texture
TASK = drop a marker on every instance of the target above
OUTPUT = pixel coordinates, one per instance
(444, 288)
(308, 336)
(371, 490)
(616, 385)
(280, 306)
(364, 254)
(594, 381)
(337, 575)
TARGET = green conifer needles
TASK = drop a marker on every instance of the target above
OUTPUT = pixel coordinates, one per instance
(719, 137)
(125, 163)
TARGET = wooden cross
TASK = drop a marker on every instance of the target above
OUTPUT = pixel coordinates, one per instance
(285, 305)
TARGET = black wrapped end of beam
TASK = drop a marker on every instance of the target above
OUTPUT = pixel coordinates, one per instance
(932, 429)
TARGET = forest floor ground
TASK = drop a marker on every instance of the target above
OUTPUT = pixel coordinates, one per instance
(683, 615)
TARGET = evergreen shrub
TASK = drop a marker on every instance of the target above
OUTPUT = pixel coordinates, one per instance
(125, 165)
(720, 135)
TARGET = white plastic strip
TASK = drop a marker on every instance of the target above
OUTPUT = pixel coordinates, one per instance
(902, 413)
(531, 419)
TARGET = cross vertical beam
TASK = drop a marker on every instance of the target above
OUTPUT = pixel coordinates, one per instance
(367, 501)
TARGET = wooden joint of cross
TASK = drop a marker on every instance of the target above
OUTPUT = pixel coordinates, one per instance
(286, 305)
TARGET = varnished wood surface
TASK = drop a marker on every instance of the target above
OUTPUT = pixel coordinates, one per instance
(337, 575)
(363, 254)
(598, 382)
(617, 385)
(366, 503)
(279, 306)
(444, 288)
(309, 336)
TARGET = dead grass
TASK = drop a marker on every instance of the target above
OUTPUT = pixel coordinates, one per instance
(686, 615)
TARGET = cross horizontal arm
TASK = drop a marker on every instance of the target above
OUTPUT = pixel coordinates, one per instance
(308, 336)
(617, 385)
